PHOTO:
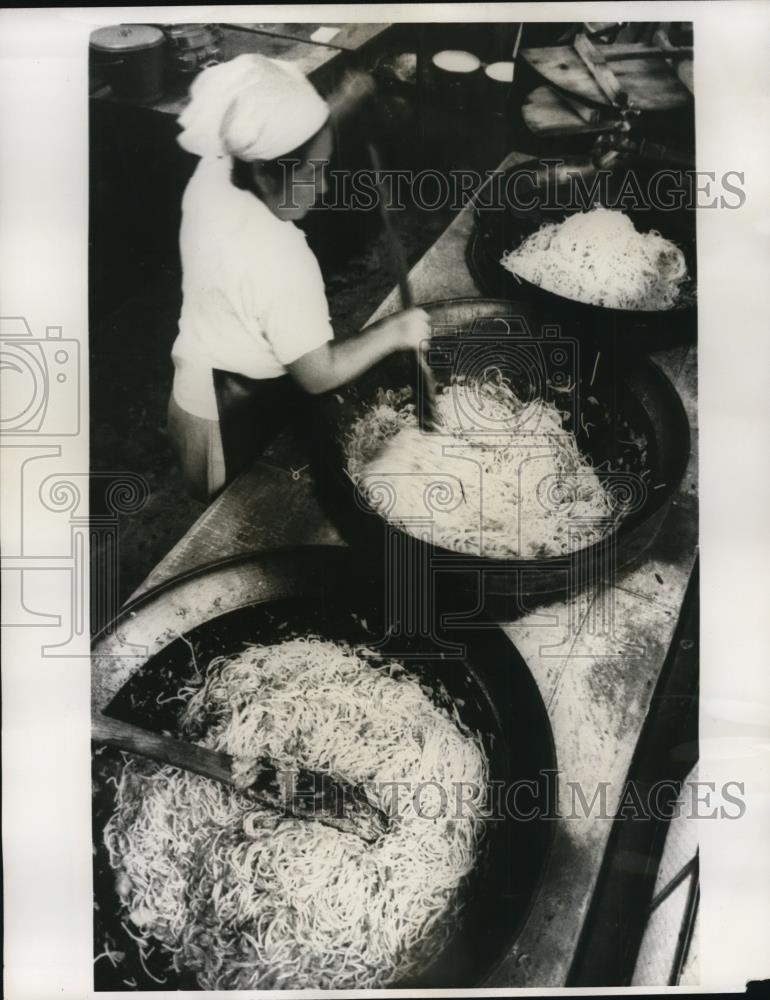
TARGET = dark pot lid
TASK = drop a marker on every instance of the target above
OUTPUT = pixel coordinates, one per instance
(126, 38)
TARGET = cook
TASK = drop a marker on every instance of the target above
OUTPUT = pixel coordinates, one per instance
(254, 332)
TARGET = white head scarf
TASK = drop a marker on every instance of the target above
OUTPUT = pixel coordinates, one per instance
(251, 107)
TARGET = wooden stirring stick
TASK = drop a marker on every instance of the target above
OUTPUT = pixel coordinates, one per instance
(297, 792)
(424, 380)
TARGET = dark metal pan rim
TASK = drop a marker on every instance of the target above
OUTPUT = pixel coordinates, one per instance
(680, 429)
(134, 604)
(485, 215)
(295, 583)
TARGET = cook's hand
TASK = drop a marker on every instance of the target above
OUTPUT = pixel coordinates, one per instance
(409, 329)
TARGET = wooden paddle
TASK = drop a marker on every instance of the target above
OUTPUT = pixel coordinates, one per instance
(424, 380)
(298, 792)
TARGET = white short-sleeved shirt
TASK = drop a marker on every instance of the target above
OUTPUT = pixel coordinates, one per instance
(253, 295)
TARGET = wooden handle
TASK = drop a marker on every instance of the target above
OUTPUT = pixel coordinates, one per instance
(339, 805)
(188, 756)
(424, 380)
(665, 154)
(623, 53)
(599, 69)
(589, 115)
(394, 243)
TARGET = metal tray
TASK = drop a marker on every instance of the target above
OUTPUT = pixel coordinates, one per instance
(266, 598)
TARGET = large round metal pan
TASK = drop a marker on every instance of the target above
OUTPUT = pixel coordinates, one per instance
(624, 413)
(525, 197)
(267, 598)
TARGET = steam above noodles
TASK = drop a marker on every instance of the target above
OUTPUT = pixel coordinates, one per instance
(599, 258)
(247, 899)
(499, 477)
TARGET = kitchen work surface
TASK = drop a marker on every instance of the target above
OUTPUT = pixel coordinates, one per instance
(596, 656)
(547, 114)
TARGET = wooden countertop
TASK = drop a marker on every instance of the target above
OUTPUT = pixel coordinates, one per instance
(596, 658)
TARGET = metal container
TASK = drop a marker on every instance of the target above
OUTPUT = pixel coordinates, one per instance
(497, 85)
(455, 77)
(539, 191)
(129, 57)
(140, 660)
(191, 48)
(626, 416)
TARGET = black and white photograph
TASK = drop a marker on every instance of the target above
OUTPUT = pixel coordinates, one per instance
(382, 569)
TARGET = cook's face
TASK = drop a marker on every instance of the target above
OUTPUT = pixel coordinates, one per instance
(306, 182)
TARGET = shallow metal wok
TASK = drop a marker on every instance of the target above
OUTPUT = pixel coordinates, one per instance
(268, 597)
(525, 197)
(625, 413)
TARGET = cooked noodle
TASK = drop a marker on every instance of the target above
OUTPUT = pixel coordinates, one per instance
(246, 899)
(499, 477)
(598, 257)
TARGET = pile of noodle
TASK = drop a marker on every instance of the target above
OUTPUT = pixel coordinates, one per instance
(599, 258)
(247, 899)
(498, 477)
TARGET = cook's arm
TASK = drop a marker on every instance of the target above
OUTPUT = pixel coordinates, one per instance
(339, 362)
